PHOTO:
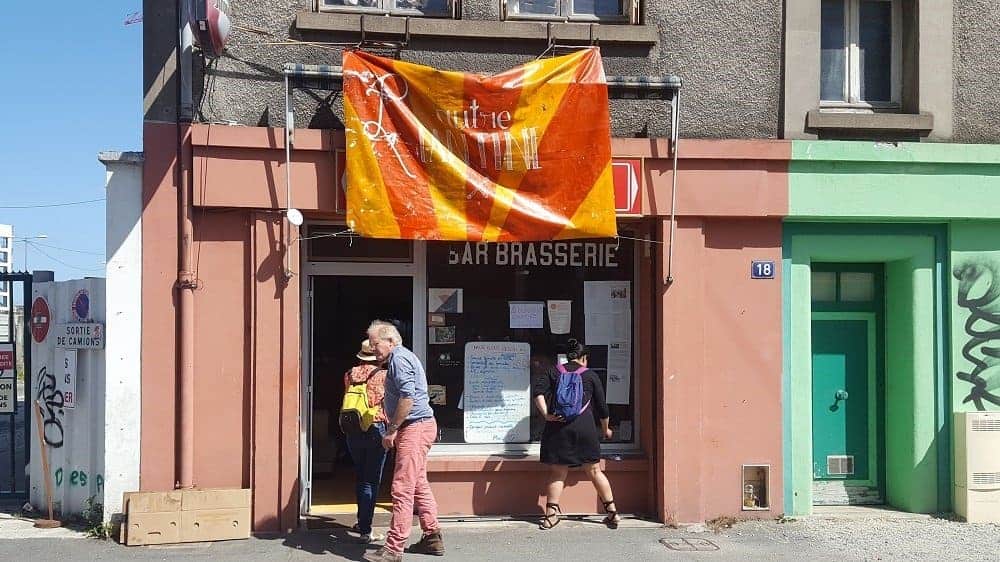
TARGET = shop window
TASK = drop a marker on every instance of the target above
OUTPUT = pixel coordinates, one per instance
(611, 11)
(431, 8)
(824, 286)
(336, 243)
(535, 295)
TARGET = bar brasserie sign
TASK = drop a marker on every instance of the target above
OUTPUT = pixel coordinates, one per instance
(522, 254)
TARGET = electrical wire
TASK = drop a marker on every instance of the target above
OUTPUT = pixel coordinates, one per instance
(69, 249)
(43, 205)
(71, 266)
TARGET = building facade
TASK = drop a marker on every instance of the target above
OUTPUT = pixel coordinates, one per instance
(795, 325)
(6, 265)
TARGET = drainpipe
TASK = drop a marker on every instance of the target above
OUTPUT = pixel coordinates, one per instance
(186, 280)
(674, 138)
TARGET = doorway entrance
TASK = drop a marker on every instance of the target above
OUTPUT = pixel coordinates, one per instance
(847, 389)
(343, 306)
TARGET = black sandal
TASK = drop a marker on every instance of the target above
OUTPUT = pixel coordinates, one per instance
(550, 519)
(612, 519)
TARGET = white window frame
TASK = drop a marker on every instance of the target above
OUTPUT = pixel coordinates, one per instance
(852, 61)
(391, 10)
(630, 15)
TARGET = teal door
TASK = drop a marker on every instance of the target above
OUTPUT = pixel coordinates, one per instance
(842, 397)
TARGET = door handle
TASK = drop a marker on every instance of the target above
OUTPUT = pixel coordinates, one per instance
(837, 397)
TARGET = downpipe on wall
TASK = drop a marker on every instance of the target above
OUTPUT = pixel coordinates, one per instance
(186, 278)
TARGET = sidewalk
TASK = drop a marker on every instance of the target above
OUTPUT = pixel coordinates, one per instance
(834, 537)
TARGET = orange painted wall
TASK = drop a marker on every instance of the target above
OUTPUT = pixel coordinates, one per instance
(709, 345)
(722, 366)
(246, 347)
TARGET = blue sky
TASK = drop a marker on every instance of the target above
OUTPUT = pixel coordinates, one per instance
(72, 87)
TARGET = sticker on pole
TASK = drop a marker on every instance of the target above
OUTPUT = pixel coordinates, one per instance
(40, 319)
(8, 391)
(8, 395)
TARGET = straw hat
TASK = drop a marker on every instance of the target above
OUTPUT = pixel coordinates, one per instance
(367, 353)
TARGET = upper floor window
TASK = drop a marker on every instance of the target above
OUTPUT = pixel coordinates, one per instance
(860, 53)
(620, 11)
(434, 8)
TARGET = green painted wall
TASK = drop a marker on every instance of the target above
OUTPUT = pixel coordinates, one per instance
(975, 314)
(838, 180)
(912, 464)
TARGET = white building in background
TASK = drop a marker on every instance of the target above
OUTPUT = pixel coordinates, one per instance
(6, 264)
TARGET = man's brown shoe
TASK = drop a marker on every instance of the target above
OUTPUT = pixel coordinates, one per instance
(384, 555)
(431, 543)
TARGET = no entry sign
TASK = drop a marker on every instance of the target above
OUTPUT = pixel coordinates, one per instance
(40, 319)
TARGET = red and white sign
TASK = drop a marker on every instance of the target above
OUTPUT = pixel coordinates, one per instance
(6, 357)
(627, 173)
(340, 170)
(40, 319)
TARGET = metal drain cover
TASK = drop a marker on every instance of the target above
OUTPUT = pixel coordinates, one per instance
(690, 545)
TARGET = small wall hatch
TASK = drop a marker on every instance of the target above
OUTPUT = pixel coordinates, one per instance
(755, 487)
(840, 465)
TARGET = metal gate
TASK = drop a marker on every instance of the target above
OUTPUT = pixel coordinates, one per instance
(15, 388)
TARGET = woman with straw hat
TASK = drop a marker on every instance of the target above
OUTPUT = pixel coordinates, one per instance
(365, 444)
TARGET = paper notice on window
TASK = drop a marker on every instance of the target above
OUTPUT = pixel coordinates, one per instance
(526, 314)
(607, 311)
(497, 395)
(560, 316)
(619, 372)
(444, 300)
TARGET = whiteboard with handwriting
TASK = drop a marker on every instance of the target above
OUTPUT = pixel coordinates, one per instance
(497, 397)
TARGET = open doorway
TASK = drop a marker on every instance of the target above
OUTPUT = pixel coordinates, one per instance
(342, 308)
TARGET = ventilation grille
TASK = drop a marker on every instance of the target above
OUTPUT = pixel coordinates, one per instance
(840, 465)
(986, 424)
(986, 479)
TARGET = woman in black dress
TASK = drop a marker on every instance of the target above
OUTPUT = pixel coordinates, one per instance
(575, 443)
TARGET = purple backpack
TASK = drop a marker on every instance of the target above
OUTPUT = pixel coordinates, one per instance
(568, 402)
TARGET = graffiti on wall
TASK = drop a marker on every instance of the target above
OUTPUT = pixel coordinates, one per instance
(78, 478)
(979, 293)
(52, 408)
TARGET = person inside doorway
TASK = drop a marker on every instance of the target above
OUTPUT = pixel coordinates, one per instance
(411, 430)
(363, 422)
(569, 398)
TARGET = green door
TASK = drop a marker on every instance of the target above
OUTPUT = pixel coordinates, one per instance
(842, 401)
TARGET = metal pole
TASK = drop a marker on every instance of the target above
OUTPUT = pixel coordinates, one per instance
(289, 128)
(25, 334)
(11, 337)
(675, 133)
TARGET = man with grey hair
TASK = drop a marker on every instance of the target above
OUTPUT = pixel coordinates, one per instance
(411, 430)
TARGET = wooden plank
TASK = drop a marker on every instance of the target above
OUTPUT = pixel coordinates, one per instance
(215, 524)
(154, 502)
(153, 528)
(234, 498)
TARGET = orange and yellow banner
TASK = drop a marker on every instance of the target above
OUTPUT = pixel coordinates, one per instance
(438, 155)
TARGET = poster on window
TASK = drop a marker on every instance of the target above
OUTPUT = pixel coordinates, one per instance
(497, 398)
(607, 311)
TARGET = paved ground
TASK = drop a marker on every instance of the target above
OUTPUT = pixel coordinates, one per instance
(836, 536)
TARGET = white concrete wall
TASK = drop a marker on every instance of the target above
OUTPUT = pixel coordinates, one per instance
(74, 437)
(124, 312)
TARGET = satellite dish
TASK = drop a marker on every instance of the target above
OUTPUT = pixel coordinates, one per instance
(212, 25)
(294, 216)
